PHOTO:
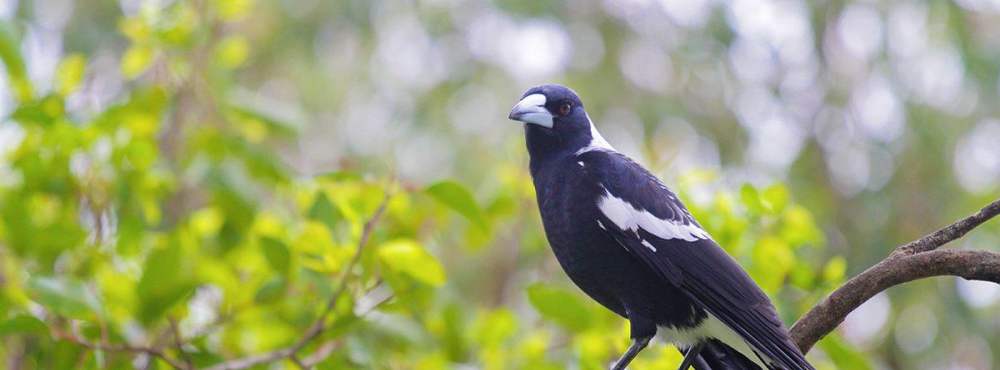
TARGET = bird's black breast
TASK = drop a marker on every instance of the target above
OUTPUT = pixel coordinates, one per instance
(567, 200)
(568, 192)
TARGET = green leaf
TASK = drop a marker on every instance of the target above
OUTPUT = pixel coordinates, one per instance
(271, 291)
(802, 276)
(70, 73)
(409, 258)
(458, 198)
(776, 197)
(47, 111)
(799, 227)
(340, 176)
(323, 210)
(22, 324)
(249, 111)
(843, 356)
(494, 327)
(258, 160)
(835, 269)
(69, 298)
(276, 253)
(10, 54)
(135, 61)
(165, 281)
(233, 51)
(751, 199)
(558, 305)
(772, 259)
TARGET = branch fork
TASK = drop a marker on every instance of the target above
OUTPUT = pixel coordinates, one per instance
(915, 260)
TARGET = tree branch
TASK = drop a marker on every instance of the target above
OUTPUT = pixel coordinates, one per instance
(319, 324)
(98, 346)
(321, 354)
(175, 332)
(950, 232)
(912, 261)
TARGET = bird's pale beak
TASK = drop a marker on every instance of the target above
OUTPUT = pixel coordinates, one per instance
(531, 109)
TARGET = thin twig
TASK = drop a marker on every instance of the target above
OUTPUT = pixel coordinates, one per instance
(216, 323)
(179, 344)
(295, 359)
(951, 232)
(326, 348)
(319, 324)
(109, 347)
(321, 353)
(915, 260)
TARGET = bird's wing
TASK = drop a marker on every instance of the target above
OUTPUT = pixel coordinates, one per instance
(647, 219)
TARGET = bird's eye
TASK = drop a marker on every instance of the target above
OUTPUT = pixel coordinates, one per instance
(564, 108)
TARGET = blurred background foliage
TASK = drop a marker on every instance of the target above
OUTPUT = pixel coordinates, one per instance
(196, 176)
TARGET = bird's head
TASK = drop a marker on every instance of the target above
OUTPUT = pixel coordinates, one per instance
(555, 119)
(549, 106)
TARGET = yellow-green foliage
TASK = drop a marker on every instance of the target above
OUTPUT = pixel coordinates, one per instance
(172, 205)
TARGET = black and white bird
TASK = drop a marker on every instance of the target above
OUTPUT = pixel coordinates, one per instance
(631, 245)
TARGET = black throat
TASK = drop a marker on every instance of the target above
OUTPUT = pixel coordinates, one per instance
(542, 143)
(546, 145)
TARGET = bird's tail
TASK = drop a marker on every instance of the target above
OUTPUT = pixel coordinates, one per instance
(717, 356)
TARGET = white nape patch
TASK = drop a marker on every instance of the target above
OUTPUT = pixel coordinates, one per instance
(597, 141)
(650, 246)
(581, 164)
(711, 327)
(628, 217)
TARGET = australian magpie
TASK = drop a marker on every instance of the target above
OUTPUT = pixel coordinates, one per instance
(630, 244)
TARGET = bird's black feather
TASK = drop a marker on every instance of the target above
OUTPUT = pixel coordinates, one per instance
(700, 268)
(718, 356)
(648, 259)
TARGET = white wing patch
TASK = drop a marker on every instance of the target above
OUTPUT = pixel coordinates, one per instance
(628, 217)
(650, 246)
